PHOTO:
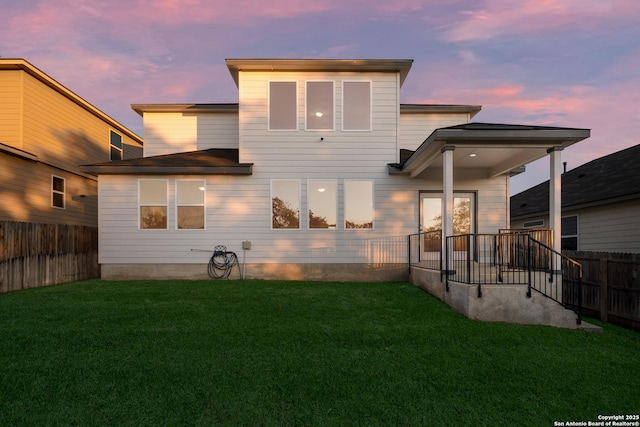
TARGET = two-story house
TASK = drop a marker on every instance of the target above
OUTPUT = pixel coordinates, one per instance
(318, 172)
(46, 133)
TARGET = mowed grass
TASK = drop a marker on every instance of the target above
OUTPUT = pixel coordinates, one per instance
(291, 353)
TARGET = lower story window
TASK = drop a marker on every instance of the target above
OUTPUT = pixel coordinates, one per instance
(569, 231)
(190, 204)
(57, 192)
(358, 204)
(152, 198)
(285, 204)
(322, 201)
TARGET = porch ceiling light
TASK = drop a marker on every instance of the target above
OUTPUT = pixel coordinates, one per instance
(472, 155)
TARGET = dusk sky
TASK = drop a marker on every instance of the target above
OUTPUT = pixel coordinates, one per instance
(569, 63)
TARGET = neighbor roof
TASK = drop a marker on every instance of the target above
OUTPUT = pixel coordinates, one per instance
(608, 179)
(23, 65)
(401, 66)
(214, 161)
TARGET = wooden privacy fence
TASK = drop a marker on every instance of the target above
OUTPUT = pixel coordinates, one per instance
(611, 286)
(34, 255)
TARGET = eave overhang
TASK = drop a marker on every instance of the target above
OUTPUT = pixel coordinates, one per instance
(400, 66)
(497, 148)
(471, 110)
(185, 108)
(203, 162)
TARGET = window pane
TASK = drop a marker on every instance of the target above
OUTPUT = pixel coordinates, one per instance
(322, 204)
(356, 106)
(115, 154)
(431, 213)
(569, 243)
(569, 226)
(153, 192)
(283, 114)
(461, 215)
(58, 184)
(358, 201)
(320, 105)
(190, 192)
(191, 217)
(153, 217)
(285, 204)
(116, 140)
(58, 200)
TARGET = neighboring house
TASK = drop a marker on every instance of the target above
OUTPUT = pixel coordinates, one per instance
(600, 205)
(319, 172)
(46, 133)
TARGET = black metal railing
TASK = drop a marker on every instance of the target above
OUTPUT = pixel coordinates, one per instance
(425, 250)
(563, 275)
(514, 258)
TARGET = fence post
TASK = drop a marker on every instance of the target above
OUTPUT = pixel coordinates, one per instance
(528, 255)
(604, 292)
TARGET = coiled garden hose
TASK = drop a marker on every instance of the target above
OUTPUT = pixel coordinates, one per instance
(222, 262)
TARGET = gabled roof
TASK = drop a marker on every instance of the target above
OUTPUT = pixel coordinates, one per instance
(611, 178)
(401, 66)
(23, 65)
(214, 161)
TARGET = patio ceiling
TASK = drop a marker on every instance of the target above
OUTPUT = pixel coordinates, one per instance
(497, 149)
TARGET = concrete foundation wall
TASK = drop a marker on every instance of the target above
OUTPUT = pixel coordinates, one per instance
(499, 303)
(314, 272)
(429, 281)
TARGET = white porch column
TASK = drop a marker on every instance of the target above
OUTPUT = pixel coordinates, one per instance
(555, 196)
(447, 196)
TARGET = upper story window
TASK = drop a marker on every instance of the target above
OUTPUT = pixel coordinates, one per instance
(356, 105)
(283, 105)
(320, 105)
(57, 192)
(152, 198)
(115, 146)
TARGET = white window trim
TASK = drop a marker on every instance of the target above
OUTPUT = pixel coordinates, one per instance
(308, 204)
(373, 204)
(269, 106)
(301, 208)
(113, 146)
(203, 204)
(370, 105)
(63, 192)
(333, 94)
(153, 204)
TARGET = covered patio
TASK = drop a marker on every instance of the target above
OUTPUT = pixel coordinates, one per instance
(476, 272)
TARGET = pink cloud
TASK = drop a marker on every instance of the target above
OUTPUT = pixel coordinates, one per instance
(504, 17)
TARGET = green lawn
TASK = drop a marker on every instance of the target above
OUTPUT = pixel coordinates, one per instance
(290, 353)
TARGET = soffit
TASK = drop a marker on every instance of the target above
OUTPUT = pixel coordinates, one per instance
(498, 149)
